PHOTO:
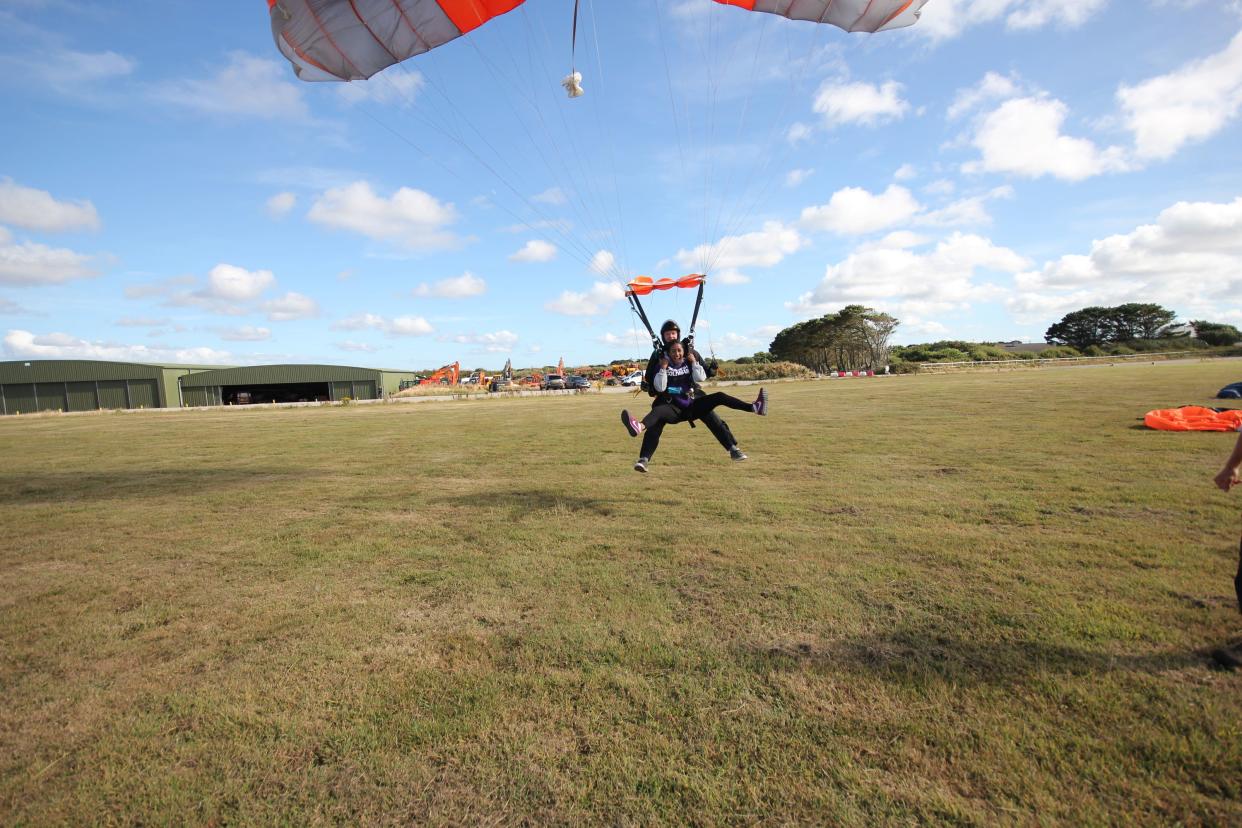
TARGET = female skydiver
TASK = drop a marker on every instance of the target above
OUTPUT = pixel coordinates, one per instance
(674, 383)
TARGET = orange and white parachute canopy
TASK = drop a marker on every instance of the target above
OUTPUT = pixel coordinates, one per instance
(643, 285)
(354, 39)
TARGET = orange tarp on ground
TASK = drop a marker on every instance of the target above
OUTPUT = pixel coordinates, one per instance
(1193, 418)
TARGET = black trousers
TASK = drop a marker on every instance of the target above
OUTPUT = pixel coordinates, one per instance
(702, 409)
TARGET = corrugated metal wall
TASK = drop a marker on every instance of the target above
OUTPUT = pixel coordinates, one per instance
(80, 385)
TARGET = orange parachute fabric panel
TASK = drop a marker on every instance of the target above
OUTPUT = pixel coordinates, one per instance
(1193, 418)
(643, 285)
(349, 40)
(851, 15)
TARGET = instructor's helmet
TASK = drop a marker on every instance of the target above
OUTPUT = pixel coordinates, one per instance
(669, 325)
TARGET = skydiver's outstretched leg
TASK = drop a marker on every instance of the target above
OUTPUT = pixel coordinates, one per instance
(702, 405)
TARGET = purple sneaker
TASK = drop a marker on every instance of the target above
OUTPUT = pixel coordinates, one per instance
(760, 405)
(631, 425)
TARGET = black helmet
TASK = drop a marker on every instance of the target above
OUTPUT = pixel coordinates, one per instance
(669, 325)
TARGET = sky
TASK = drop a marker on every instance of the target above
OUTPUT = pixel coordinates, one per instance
(171, 192)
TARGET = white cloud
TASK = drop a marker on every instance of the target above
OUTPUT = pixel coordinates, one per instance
(535, 250)
(411, 218)
(401, 326)
(501, 342)
(395, 85)
(1023, 137)
(232, 283)
(629, 339)
(970, 211)
(897, 279)
(762, 248)
(360, 347)
(29, 263)
(905, 172)
(409, 326)
(24, 344)
(289, 307)
(142, 322)
(594, 302)
(460, 287)
(1189, 260)
(1189, 104)
(72, 73)
(945, 19)
(279, 205)
(553, 195)
(857, 102)
(10, 308)
(795, 177)
(246, 86)
(798, 132)
(855, 211)
(246, 333)
(992, 87)
(33, 209)
(602, 262)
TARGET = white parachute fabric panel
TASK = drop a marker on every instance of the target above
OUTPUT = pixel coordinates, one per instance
(347, 40)
(851, 15)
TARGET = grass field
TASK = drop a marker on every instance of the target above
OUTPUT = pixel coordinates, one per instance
(972, 599)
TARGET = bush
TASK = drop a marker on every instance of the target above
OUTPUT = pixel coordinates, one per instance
(762, 371)
(1094, 351)
(1059, 352)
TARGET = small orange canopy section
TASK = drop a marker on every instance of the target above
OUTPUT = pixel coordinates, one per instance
(1193, 418)
(642, 285)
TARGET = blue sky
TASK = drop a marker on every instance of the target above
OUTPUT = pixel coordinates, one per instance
(170, 192)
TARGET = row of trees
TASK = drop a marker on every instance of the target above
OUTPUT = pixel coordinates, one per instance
(854, 338)
(1129, 322)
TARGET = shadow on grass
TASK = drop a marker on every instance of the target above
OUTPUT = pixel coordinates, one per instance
(57, 487)
(540, 502)
(921, 657)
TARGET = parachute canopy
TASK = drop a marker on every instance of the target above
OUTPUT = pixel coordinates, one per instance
(851, 15)
(643, 285)
(349, 40)
(1194, 418)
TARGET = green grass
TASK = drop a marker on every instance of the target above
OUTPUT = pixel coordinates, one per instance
(971, 599)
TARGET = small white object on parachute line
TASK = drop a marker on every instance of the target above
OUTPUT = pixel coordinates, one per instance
(573, 84)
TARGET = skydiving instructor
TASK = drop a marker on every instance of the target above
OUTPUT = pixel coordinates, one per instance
(1228, 477)
(670, 332)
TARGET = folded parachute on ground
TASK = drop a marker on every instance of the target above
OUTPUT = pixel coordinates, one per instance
(1194, 418)
(354, 39)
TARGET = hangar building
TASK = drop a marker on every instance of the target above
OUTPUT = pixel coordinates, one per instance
(288, 383)
(28, 386)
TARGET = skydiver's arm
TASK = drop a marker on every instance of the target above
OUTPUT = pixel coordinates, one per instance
(1229, 476)
(697, 372)
(660, 383)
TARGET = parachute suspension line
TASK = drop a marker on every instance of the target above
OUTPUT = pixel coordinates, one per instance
(668, 76)
(694, 317)
(601, 228)
(579, 185)
(455, 135)
(583, 254)
(748, 206)
(727, 198)
(610, 143)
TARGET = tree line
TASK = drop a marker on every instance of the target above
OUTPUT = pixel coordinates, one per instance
(855, 338)
(1098, 326)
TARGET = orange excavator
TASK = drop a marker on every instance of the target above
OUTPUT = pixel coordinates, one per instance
(448, 375)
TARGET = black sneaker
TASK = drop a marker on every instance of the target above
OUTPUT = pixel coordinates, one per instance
(760, 405)
(631, 425)
(641, 465)
(736, 453)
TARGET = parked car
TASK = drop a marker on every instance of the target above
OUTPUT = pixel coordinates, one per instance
(553, 382)
(633, 380)
(578, 382)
